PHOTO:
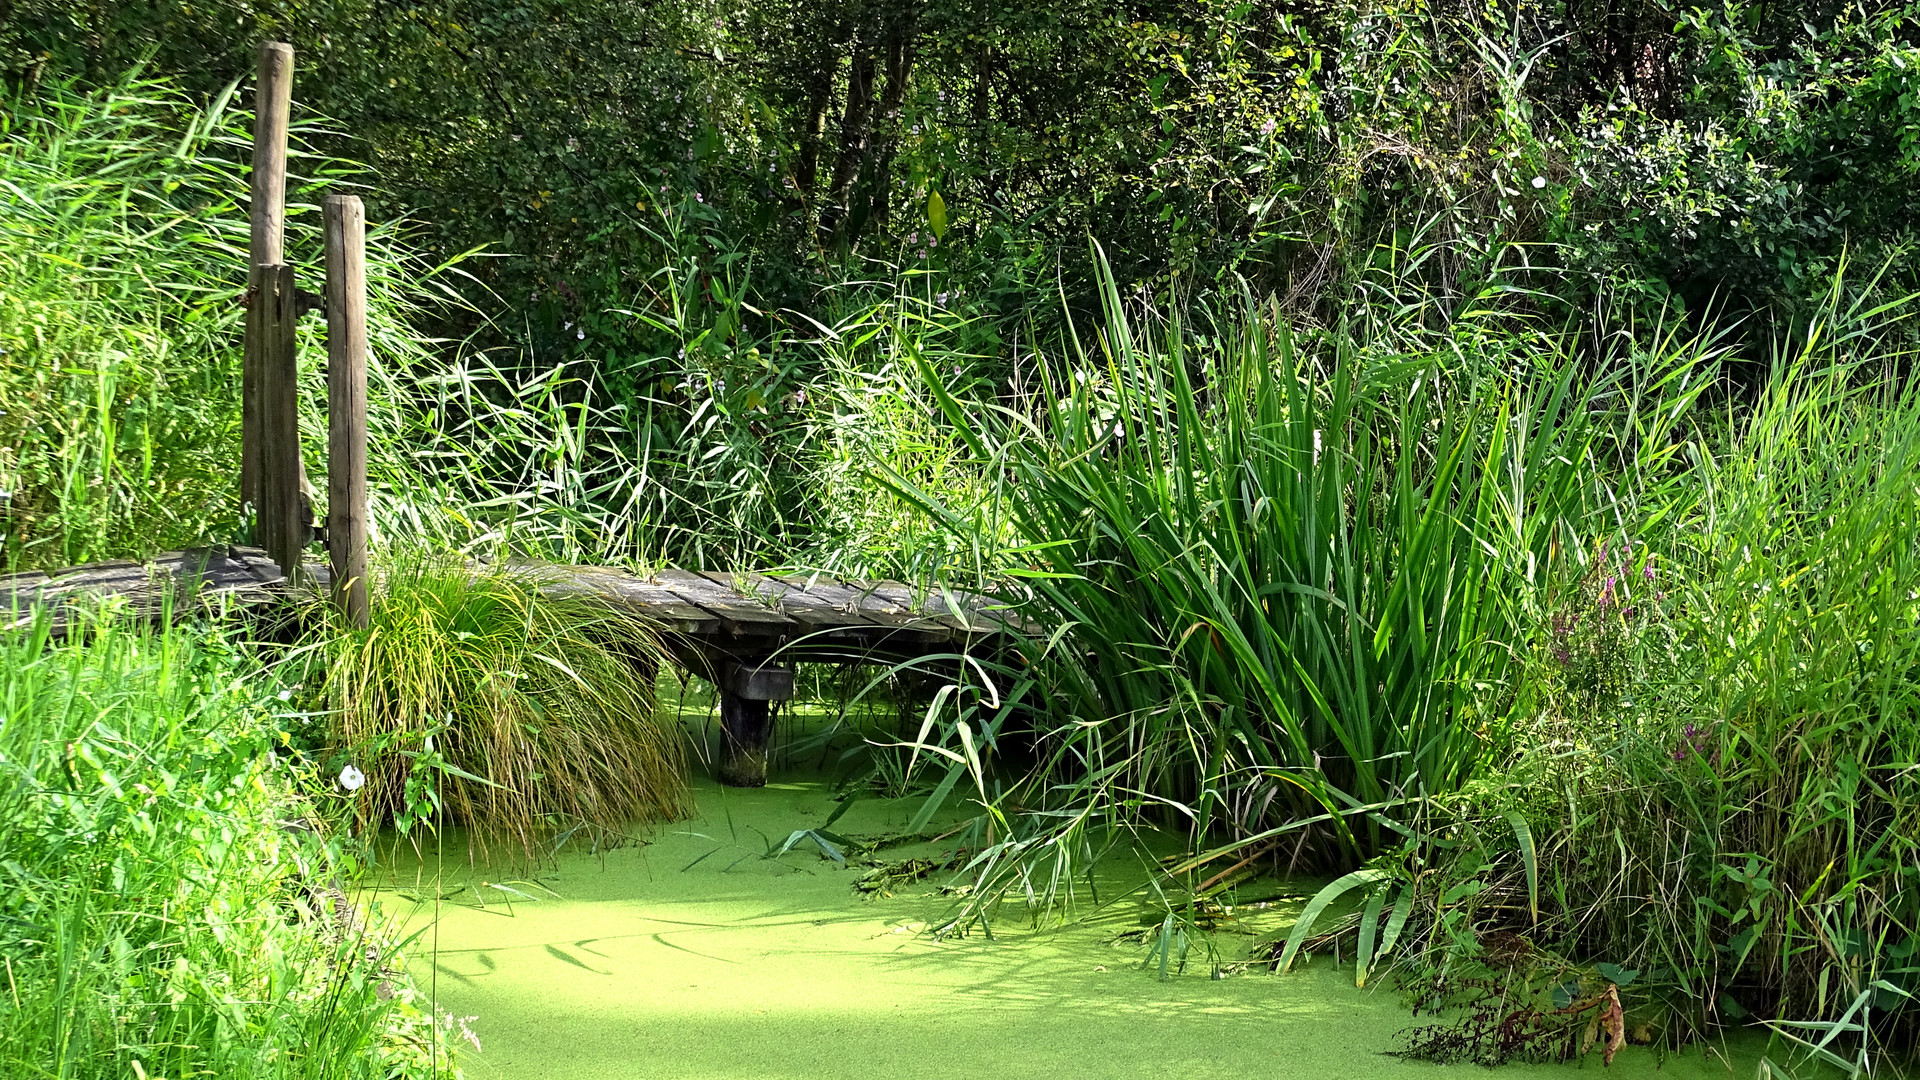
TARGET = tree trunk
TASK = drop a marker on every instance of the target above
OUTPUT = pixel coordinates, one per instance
(807, 169)
(856, 123)
(899, 65)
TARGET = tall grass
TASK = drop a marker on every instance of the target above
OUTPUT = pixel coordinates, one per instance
(122, 258)
(1758, 777)
(163, 908)
(1288, 579)
(474, 699)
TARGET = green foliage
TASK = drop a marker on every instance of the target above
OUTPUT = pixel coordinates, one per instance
(167, 909)
(1723, 155)
(1706, 787)
(1282, 573)
(473, 699)
(122, 255)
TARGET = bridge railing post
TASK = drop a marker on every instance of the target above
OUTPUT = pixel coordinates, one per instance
(347, 403)
(282, 512)
(272, 109)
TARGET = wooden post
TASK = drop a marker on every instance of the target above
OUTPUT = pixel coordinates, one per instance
(281, 509)
(748, 689)
(272, 108)
(347, 403)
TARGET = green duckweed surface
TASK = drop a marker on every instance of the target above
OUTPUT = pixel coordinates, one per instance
(697, 956)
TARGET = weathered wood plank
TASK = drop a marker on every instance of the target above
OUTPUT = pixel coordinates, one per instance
(818, 618)
(740, 614)
(196, 580)
(965, 623)
(654, 603)
(264, 570)
(981, 613)
(905, 624)
(808, 617)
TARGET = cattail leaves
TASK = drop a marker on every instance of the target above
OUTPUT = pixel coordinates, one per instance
(1303, 926)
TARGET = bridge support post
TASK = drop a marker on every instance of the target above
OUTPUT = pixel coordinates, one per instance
(748, 690)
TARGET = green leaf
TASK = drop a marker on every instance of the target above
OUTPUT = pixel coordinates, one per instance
(1616, 974)
(1523, 835)
(1396, 922)
(1303, 927)
(934, 801)
(937, 215)
(1369, 922)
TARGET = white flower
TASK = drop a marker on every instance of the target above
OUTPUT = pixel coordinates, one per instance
(1539, 182)
(352, 779)
(580, 335)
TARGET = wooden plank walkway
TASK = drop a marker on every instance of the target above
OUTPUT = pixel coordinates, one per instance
(736, 613)
(742, 631)
(192, 581)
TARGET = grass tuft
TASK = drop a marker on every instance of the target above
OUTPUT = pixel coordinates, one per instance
(474, 698)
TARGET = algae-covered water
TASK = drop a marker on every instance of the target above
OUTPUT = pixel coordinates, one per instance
(697, 956)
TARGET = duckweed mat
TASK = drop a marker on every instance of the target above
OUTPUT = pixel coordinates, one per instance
(703, 953)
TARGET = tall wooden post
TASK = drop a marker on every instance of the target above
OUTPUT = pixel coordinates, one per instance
(272, 108)
(282, 512)
(347, 403)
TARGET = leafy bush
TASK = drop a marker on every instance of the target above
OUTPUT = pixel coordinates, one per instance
(474, 699)
(167, 906)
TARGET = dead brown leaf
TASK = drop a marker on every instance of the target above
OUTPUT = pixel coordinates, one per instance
(1615, 1021)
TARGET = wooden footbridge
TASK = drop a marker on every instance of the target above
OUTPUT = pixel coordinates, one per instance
(742, 631)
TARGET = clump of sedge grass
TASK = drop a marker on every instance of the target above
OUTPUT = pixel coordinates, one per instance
(475, 699)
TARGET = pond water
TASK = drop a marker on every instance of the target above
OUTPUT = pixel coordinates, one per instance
(695, 955)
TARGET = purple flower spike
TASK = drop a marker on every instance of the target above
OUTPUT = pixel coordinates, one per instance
(1680, 754)
(1648, 572)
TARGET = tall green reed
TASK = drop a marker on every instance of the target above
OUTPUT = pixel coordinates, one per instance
(122, 258)
(1783, 717)
(1714, 726)
(1286, 577)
